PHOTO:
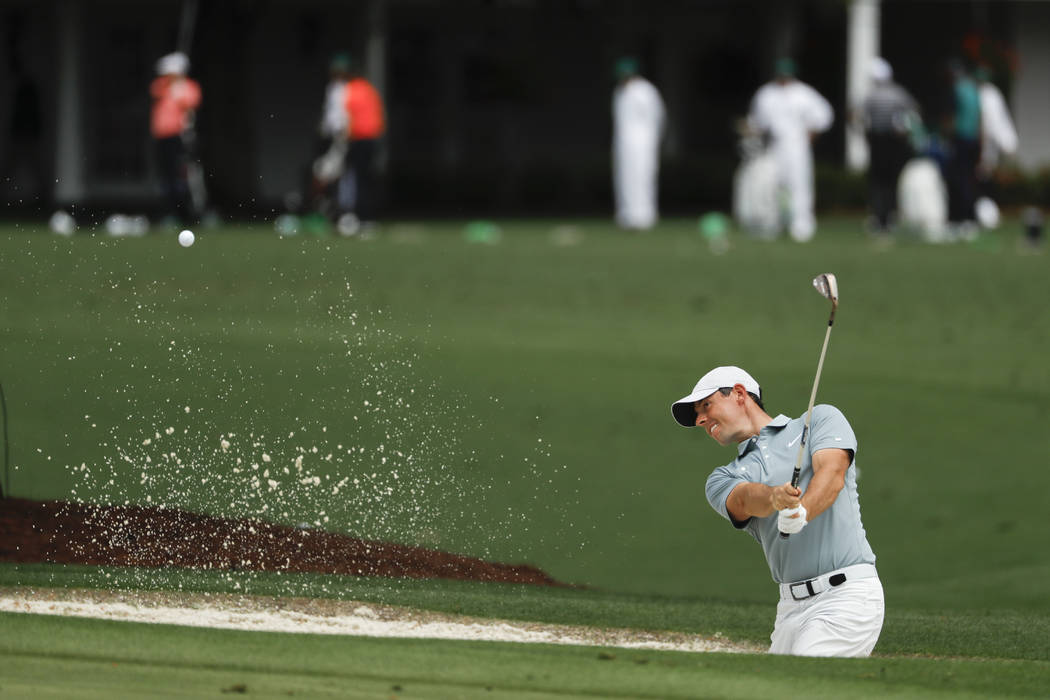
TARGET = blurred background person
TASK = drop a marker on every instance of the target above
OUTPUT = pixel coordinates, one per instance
(890, 115)
(176, 98)
(998, 134)
(790, 114)
(332, 129)
(638, 124)
(963, 130)
(358, 190)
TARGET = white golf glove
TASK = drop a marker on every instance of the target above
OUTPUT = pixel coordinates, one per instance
(789, 525)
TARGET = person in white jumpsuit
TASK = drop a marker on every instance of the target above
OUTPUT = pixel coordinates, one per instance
(791, 114)
(638, 124)
(328, 167)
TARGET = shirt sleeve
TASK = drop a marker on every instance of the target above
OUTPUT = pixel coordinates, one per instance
(829, 428)
(819, 114)
(186, 94)
(719, 485)
(659, 111)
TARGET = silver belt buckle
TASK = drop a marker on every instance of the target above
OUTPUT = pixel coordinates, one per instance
(809, 590)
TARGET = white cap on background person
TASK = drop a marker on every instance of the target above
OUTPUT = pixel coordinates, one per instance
(720, 377)
(176, 63)
(880, 70)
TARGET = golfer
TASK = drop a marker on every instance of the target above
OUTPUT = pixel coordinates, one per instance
(831, 600)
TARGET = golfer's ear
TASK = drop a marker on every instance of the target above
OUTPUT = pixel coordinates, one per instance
(739, 391)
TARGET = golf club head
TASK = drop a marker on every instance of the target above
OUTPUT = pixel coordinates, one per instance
(828, 287)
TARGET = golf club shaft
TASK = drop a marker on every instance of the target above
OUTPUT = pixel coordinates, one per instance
(809, 411)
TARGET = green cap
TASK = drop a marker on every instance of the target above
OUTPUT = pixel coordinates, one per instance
(625, 67)
(341, 62)
(785, 67)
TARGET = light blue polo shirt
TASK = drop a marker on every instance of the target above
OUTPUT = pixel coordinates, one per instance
(832, 540)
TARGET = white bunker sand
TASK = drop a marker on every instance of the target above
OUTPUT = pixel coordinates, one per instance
(315, 616)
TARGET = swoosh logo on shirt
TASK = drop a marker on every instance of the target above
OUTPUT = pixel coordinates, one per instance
(795, 440)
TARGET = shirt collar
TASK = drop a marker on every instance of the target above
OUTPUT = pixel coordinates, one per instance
(776, 424)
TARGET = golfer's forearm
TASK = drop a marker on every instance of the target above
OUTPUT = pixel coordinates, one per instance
(829, 476)
(750, 500)
(822, 492)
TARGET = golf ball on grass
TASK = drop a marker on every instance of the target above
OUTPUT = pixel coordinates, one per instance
(186, 239)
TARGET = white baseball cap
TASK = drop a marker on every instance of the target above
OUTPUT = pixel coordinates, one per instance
(718, 378)
(880, 70)
(176, 63)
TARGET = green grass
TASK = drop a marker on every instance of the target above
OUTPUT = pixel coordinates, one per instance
(136, 659)
(978, 633)
(521, 393)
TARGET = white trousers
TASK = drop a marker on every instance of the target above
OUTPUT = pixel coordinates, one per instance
(795, 170)
(636, 166)
(843, 620)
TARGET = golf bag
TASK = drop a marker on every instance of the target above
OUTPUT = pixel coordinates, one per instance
(922, 200)
(756, 196)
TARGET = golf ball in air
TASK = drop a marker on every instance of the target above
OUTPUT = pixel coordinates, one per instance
(186, 239)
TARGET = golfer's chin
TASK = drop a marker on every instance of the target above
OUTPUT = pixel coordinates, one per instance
(716, 435)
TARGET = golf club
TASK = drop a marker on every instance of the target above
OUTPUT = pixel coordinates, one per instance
(829, 289)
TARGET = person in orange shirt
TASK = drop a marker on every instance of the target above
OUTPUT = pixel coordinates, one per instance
(176, 98)
(366, 124)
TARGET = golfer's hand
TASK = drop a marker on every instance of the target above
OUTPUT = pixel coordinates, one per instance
(792, 520)
(785, 496)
